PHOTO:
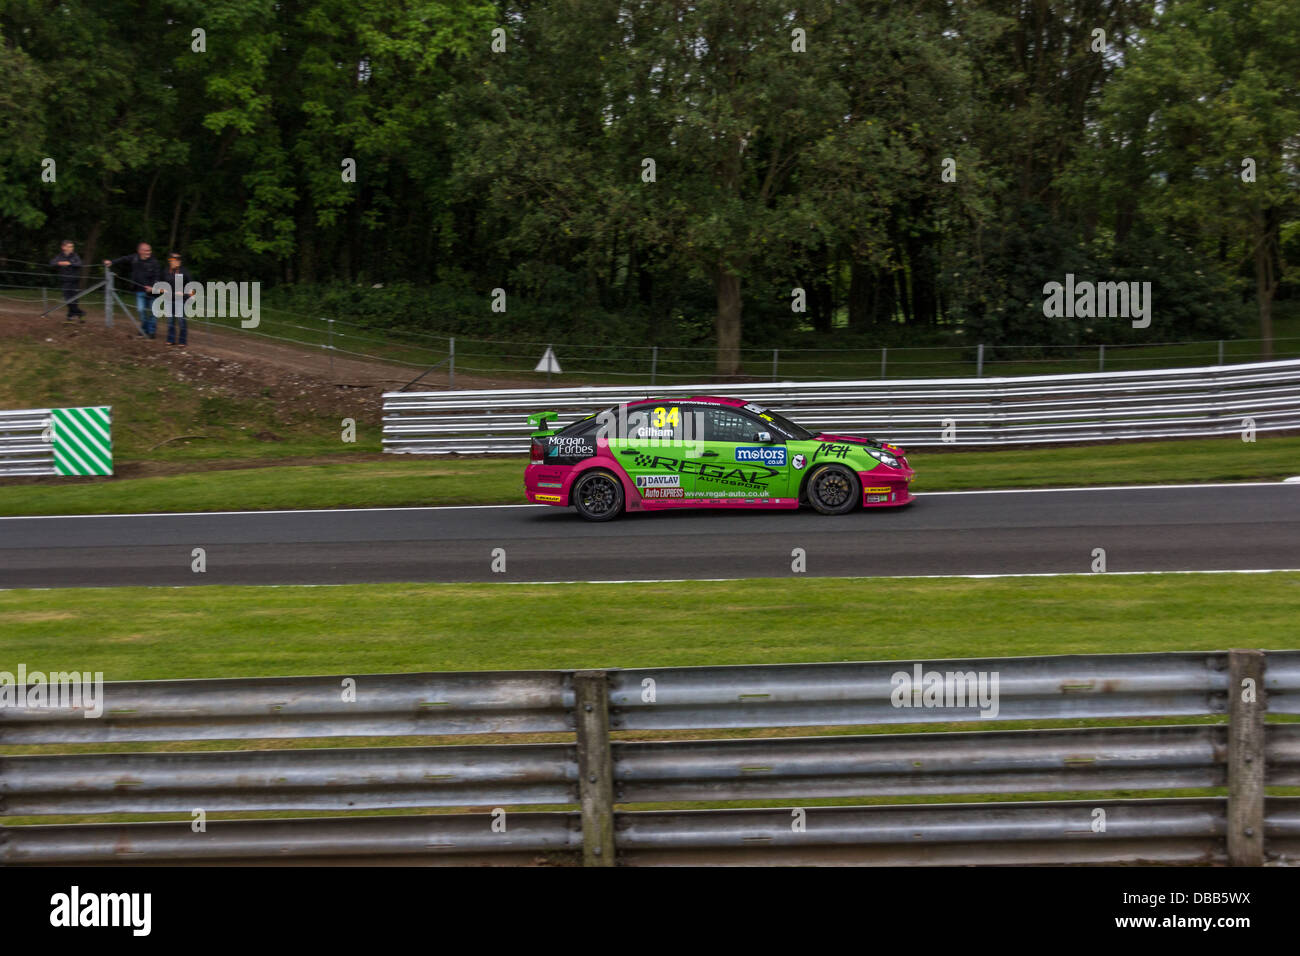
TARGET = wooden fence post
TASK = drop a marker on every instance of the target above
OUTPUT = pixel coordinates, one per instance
(1246, 758)
(595, 767)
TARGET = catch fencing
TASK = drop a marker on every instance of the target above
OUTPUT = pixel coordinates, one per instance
(56, 441)
(595, 764)
(1039, 409)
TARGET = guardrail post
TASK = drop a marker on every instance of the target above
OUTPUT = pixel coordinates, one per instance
(595, 767)
(451, 362)
(1220, 351)
(1101, 358)
(331, 345)
(654, 362)
(45, 299)
(774, 354)
(1246, 758)
(108, 296)
(883, 353)
(979, 361)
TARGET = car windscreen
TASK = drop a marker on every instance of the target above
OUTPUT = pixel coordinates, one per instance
(797, 432)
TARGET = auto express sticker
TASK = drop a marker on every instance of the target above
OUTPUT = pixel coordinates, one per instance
(658, 492)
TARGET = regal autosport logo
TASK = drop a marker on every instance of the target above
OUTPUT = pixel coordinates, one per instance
(771, 455)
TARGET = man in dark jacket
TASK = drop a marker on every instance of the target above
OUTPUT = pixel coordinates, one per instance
(146, 272)
(176, 276)
(68, 264)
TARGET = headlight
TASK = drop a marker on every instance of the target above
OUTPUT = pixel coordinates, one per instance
(884, 458)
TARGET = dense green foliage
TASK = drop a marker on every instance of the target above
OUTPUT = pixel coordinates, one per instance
(928, 164)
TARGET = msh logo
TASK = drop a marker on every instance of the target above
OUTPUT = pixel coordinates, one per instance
(771, 455)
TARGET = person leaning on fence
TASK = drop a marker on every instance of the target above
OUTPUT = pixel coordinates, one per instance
(146, 271)
(175, 277)
(69, 265)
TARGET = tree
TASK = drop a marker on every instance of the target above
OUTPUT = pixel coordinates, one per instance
(1205, 117)
(94, 98)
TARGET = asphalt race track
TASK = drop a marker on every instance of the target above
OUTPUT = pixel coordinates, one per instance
(1183, 528)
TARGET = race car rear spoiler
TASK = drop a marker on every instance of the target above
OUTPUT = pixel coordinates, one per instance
(539, 419)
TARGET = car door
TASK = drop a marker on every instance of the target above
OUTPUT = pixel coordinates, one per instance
(649, 449)
(739, 458)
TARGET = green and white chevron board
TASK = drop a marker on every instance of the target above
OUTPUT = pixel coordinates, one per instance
(82, 440)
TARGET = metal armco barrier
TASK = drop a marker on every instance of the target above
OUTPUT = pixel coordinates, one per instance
(57, 441)
(25, 448)
(1038, 409)
(591, 775)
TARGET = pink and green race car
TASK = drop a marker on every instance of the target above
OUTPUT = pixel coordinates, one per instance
(706, 452)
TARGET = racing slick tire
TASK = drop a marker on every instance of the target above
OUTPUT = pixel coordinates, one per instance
(833, 489)
(597, 495)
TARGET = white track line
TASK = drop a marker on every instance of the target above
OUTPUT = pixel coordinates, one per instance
(281, 511)
(1035, 491)
(814, 577)
(922, 494)
(893, 577)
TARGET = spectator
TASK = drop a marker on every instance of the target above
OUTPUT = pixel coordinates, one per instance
(69, 265)
(146, 271)
(176, 277)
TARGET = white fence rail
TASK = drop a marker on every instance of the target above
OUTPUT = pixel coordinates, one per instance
(1038, 409)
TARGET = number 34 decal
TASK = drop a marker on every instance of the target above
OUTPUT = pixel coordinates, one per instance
(666, 416)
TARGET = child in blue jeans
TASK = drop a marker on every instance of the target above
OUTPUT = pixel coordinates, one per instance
(176, 277)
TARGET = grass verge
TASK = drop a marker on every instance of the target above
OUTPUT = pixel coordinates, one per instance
(218, 631)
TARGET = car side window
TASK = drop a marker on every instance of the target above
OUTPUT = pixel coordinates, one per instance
(655, 423)
(728, 424)
(585, 428)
